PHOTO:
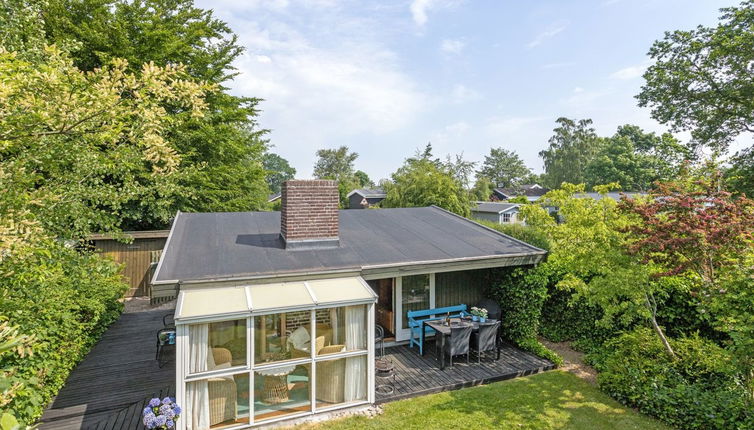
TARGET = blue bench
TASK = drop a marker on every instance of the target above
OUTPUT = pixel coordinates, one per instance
(417, 318)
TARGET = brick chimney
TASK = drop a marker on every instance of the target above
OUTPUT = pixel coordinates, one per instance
(309, 214)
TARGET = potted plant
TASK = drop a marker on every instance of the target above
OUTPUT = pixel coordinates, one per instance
(479, 314)
(161, 414)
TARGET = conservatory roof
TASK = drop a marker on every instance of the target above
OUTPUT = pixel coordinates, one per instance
(241, 301)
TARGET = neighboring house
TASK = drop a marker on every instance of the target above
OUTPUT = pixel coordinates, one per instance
(497, 212)
(615, 195)
(137, 257)
(532, 192)
(364, 198)
(281, 306)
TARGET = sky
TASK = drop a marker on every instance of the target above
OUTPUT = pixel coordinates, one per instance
(386, 77)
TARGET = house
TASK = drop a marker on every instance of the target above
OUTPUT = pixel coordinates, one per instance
(365, 198)
(615, 195)
(276, 311)
(497, 212)
(532, 192)
(138, 256)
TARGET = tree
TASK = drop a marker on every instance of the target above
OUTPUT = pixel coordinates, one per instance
(78, 150)
(222, 151)
(420, 182)
(693, 228)
(482, 190)
(460, 169)
(700, 79)
(589, 246)
(740, 175)
(362, 179)
(504, 168)
(278, 171)
(335, 164)
(570, 149)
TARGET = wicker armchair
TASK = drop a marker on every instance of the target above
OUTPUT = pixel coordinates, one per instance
(223, 394)
(331, 377)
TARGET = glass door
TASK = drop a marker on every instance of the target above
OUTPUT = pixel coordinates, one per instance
(413, 293)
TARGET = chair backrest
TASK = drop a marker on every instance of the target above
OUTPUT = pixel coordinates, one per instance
(487, 336)
(416, 317)
(459, 339)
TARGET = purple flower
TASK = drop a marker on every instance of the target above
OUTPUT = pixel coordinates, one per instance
(170, 424)
(166, 401)
(149, 420)
(160, 420)
(177, 410)
(154, 402)
(146, 411)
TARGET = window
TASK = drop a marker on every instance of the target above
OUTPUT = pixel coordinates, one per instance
(415, 292)
(222, 390)
(284, 336)
(218, 402)
(506, 218)
(217, 345)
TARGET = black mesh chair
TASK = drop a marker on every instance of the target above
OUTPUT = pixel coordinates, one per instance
(458, 342)
(379, 339)
(493, 308)
(485, 339)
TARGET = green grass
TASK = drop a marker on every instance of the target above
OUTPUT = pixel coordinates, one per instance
(552, 400)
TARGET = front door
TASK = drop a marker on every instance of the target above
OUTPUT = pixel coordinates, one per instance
(412, 293)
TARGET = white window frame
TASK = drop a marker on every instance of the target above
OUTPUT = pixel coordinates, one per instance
(401, 333)
(182, 363)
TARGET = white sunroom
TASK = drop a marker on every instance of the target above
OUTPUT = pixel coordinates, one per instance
(256, 354)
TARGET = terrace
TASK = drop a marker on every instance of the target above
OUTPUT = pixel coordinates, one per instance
(109, 389)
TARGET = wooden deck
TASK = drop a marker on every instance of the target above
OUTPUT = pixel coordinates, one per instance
(417, 375)
(108, 390)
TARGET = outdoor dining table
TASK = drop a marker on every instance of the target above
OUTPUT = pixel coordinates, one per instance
(443, 331)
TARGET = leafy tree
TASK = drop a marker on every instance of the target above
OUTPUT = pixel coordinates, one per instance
(482, 190)
(504, 168)
(460, 169)
(590, 247)
(362, 179)
(78, 150)
(636, 159)
(694, 228)
(278, 171)
(573, 145)
(335, 164)
(740, 175)
(421, 182)
(222, 150)
(701, 79)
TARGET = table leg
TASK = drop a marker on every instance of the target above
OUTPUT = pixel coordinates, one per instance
(442, 351)
(421, 335)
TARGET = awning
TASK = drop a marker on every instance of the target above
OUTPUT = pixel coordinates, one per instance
(241, 301)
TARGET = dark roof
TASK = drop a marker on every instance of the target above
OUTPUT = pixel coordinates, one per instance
(248, 244)
(493, 207)
(528, 190)
(368, 193)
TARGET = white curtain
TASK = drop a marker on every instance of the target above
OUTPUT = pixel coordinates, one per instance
(356, 367)
(197, 393)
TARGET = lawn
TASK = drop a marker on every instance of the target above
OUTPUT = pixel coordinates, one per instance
(551, 400)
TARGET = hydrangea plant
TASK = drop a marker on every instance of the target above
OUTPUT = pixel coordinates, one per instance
(161, 414)
(480, 312)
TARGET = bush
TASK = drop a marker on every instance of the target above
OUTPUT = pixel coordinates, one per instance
(66, 299)
(520, 293)
(521, 232)
(566, 319)
(697, 390)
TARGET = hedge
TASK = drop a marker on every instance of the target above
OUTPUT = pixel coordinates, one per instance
(697, 390)
(64, 297)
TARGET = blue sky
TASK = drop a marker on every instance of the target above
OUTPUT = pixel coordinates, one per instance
(386, 77)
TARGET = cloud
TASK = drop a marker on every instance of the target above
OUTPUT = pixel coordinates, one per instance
(452, 46)
(609, 2)
(461, 94)
(419, 9)
(541, 37)
(582, 99)
(631, 72)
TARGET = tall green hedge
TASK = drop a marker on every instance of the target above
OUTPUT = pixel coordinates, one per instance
(64, 297)
(521, 293)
